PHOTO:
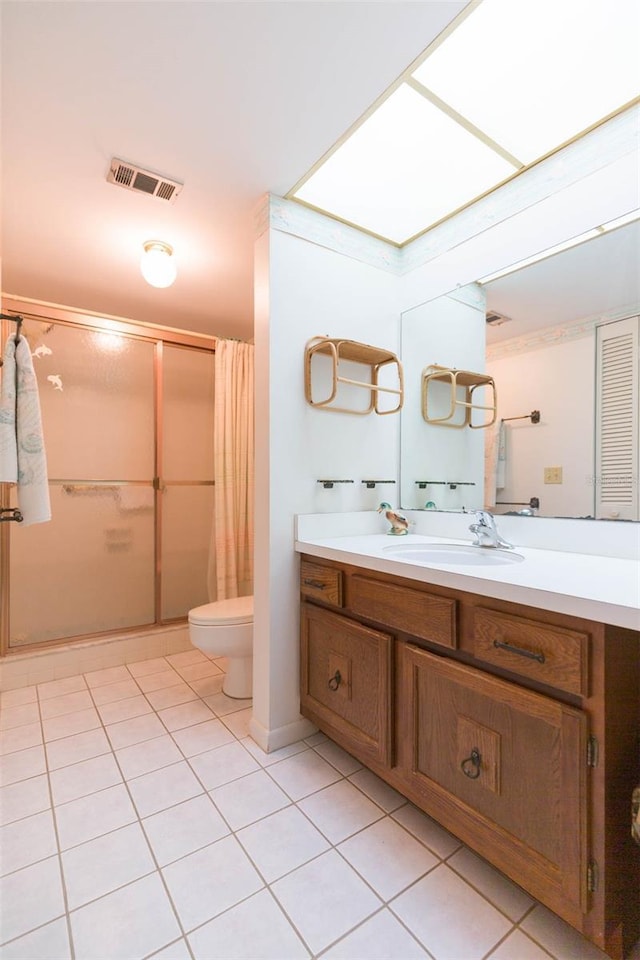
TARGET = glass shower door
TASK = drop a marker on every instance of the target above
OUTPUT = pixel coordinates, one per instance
(91, 568)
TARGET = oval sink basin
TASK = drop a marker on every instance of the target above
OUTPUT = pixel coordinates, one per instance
(460, 554)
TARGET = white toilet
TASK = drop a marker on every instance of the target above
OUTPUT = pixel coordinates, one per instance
(224, 628)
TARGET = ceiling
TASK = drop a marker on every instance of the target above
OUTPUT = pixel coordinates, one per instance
(234, 99)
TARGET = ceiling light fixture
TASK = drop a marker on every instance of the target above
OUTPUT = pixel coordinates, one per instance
(157, 264)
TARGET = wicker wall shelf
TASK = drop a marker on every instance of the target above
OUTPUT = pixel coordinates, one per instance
(374, 358)
(462, 399)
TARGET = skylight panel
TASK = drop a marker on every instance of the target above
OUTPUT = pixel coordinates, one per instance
(406, 167)
(533, 74)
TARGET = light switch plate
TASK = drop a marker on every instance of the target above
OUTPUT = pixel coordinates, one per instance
(553, 474)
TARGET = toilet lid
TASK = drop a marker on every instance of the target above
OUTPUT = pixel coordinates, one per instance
(235, 610)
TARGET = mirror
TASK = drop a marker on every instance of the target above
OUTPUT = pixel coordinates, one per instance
(543, 359)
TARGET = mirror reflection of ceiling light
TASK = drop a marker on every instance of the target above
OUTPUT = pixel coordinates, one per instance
(157, 265)
(565, 245)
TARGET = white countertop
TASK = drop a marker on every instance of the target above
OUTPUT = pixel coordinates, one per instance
(604, 589)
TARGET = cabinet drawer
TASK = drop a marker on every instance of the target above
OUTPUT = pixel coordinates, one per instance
(422, 614)
(346, 679)
(321, 583)
(553, 655)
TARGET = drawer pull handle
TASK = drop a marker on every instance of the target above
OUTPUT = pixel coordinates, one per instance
(318, 584)
(335, 681)
(473, 771)
(540, 657)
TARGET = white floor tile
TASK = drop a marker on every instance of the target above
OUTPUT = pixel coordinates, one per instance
(142, 758)
(30, 897)
(208, 686)
(91, 816)
(518, 946)
(98, 678)
(239, 722)
(57, 688)
(268, 759)
(129, 924)
(379, 791)
(19, 738)
(282, 842)
(143, 668)
(81, 779)
(186, 658)
(124, 709)
(22, 765)
(183, 829)
(18, 716)
(497, 888)
(338, 758)
(439, 840)
(303, 774)
(253, 930)
(23, 799)
(449, 918)
(221, 704)
(175, 951)
(49, 941)
(198, 671)
(171, 696)
(112, 692)
(223, 765)
(202, 737)
(316, 738)
(163, 788)
(387, 857)
(81, 746)
(340, 810)
(381, 937)
(185, 715)
(68, 703)
(70, 723)
(157, 681)
(17, 698)
(558, 937)
(211, 880)
(106, 863)
(26, 841)
(248, 799)
(127, 732)
(325, 899)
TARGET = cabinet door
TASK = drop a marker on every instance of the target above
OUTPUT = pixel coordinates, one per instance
(346, 681)
(503, 766)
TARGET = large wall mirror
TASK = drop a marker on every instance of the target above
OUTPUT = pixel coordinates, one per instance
(551, 324)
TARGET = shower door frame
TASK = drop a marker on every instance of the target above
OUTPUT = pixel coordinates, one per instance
(157, 335)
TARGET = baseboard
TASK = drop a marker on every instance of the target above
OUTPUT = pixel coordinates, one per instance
(271, 740)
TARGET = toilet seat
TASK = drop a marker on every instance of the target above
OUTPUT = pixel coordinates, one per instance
(234, 610)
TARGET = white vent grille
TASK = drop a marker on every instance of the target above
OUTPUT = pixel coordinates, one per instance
(495, 319)
(143, 181)
(617, 420)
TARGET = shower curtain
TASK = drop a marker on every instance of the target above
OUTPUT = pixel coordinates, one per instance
(231, 552)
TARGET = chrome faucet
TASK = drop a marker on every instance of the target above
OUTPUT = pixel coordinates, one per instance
(487, 533)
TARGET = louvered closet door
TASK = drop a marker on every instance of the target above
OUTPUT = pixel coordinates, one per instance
(617, 420)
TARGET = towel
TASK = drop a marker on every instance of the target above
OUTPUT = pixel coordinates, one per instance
(501, 462)
(494, 464)
(22, 454)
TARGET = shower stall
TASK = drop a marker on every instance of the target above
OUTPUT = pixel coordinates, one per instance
(127, 414)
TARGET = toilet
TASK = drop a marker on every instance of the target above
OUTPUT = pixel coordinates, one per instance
(224, 628)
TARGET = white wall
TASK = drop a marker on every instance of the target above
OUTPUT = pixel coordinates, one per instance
(304, 290)
(557, 379)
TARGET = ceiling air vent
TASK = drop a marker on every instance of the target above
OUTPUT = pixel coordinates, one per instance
(495, 319)
(144, 181)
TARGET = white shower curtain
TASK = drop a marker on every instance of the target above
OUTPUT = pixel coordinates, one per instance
(231, 550)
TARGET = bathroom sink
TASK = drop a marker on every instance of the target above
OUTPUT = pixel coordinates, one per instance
(460, 554)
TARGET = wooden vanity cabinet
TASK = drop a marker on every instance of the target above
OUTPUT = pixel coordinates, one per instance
(515, 728)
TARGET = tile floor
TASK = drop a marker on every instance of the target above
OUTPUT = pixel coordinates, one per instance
(138, 819)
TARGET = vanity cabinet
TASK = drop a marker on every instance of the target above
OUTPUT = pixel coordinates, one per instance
(515, 728)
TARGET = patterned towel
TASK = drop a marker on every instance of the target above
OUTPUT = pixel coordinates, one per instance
(22, 454)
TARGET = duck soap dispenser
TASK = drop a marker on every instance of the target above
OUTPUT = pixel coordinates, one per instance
(399, 524)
